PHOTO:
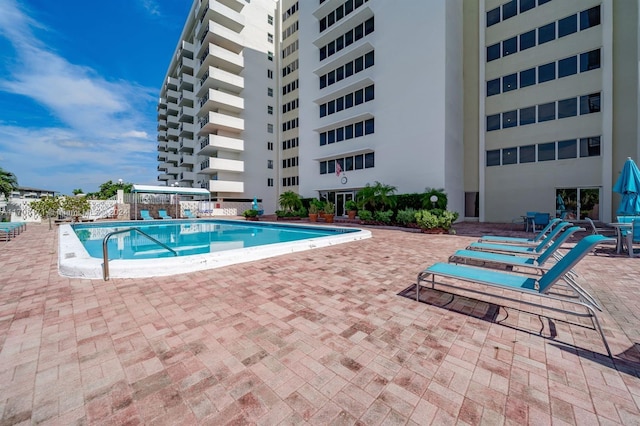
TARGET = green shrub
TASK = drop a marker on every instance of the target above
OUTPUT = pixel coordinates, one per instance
(406, 216)
(251, 213)
(441, 203)
(384, 217)
(409, 201)
(426, 220)
(365, 215)
(303, 212)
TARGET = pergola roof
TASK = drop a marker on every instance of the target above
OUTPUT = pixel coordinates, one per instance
(170, 190)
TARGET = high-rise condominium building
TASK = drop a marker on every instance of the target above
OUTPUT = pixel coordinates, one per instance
(523, 105)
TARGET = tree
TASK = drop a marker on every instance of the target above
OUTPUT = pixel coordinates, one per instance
(376, 197)
(78, 191)
(109, 189)
(8, 182)
(46, 207)
(290, 201)
(76, 206)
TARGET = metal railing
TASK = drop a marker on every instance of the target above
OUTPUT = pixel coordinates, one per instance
(105, 248)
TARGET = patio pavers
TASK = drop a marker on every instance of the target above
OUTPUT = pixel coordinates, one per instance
(328, 336)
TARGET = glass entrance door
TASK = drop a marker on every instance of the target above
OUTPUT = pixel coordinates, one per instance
(578, 203)
(341, 199)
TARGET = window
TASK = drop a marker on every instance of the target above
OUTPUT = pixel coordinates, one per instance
(527, 116)
(528, 40)
(359, 64)
(589, 18)
(359, 96)
(509, 119)
(269, 146)
(493, 122)
(590, 103)
(590, 60)
(528, 154)
(270, 74)
(568, 25)
(323, 110)
(348, 131)
(509, 156)
(269, 181)
(369, 160)
(527, 77)
(510, 46)
(369, 126)
(369, 93)
(359, 129)
(590, 147)
(270, 128)
(331, 166)
(547, 151)
(270, 56)
(323, 139)
(348, 100)
(269, 164)
(348, 164)
(331, 136)
(493, 87)
(493, 16)
(547, 112)
(509, 82)
(323, 167)
(493, 52)
(270, 22)
(369, 26)
(510, 9)
(547, 33)
(339, 104)
(567, 66)
(359, 160)
(546, 72)
(493, 157)
(527, 5)
(339, 134)
(567, 108)
(269, 110)
(369, 59)
(567, 149)
(270, 92)
(270, 38)
(348, 69)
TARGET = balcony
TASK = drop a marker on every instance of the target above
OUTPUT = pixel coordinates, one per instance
(161, 157)
(172, 120)
(226, 186)
(185, 50)
(221, 36)
(216, 121)
(164, 177)
(186, 98)
(162, 135)
(186, 82)
(172, 83)
(173, 170)
(185, 114)
(186, 145)
(222, 58)
(223, 15)
(216, 99)
(162, 146)
(172, 108)
(186, 65)
(162, 125)
(173, 134)
(172, 158)
(172, 95)
(213, 165)
(215, 78)
(210, 144)
(187, 160)
(187, 177)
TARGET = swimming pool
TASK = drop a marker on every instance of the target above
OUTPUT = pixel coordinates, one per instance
(198, 244)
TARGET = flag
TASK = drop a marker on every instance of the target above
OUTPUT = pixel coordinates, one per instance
(338, 169)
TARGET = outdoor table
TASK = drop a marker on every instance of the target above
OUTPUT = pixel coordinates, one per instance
(620, 227)
(529, 220)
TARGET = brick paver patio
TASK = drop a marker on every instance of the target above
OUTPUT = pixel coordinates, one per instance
(327, 336)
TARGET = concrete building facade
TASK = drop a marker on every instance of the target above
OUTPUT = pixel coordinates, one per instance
(523, 105)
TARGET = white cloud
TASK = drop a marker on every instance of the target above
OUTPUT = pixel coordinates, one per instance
(102, 133)
(151, 7)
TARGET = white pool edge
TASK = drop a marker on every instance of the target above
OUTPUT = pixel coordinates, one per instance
(74, 261)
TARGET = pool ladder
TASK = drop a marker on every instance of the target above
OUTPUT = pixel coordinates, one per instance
(105, 249)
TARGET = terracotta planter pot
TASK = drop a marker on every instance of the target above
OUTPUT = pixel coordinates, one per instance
(351, 214)
(253, 219)
(313, 217)
(328, 218)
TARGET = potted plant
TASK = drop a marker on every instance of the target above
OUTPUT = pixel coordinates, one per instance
(352, 209)
(329, 211)
(251, 214)
(313, 213)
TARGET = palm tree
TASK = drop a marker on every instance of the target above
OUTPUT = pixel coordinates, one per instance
(8, 182)
(376, 197)
(290, 201)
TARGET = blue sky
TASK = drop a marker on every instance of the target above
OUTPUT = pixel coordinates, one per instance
(79, 86)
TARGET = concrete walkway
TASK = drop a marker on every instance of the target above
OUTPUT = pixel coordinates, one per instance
(328, 336)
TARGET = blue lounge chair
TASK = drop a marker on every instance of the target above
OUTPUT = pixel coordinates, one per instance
(521, 250)
(540, 286)
(163, 214)
(633, 235)
(483, 258)
(144, 214)
(515, 240)
(10, 230)
(188, 214)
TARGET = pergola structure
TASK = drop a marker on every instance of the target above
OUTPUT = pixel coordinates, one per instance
(172, 190)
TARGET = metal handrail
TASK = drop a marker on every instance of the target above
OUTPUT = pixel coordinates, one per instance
(105, 249)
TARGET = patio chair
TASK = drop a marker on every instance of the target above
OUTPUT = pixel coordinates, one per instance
(607, 232)
(633, 236)
(501, 260)
(540, 219)
(163, 214)
(523, 249)
(523, 241)
(188, 214)
(540, 286)
(144, 214)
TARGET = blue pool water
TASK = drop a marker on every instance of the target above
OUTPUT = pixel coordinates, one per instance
(190, 237)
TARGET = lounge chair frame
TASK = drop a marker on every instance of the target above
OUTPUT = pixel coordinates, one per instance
(582, 298)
